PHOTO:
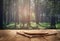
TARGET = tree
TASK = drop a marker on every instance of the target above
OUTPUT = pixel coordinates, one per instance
(54, 12)
(39, 11)
(1, 14)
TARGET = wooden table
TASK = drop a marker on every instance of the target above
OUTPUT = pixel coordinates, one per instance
(34, 35)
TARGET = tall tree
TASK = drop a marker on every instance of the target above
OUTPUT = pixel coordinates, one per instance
(39, 10)
(1, 14)
(54, 12)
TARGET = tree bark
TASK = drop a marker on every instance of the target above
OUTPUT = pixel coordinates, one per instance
(1, 14)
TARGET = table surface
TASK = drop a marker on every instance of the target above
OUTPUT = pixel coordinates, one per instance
(36, 34)
(39, 32)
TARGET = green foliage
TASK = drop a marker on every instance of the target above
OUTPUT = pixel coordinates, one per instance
(58, 26)
(45, 24)
(10, 26)
(33, 25)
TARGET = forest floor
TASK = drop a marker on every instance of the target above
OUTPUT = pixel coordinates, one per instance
(11, 35)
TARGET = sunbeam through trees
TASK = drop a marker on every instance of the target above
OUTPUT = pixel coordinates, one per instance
(31, 14)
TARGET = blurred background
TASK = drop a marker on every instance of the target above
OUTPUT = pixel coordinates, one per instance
(31, 14)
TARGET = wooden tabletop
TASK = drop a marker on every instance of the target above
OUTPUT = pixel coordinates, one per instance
(36, 34)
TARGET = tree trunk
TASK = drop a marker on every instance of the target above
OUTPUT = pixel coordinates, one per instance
(1, 14)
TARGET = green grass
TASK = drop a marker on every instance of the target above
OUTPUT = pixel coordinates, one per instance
(33, 25)
(44, 24)
(11, 24)
(58, 26)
